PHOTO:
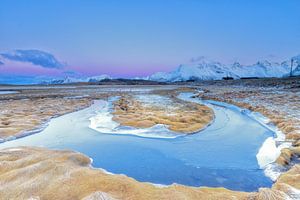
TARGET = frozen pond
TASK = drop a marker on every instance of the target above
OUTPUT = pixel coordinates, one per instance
(8, 92)
(222, 155)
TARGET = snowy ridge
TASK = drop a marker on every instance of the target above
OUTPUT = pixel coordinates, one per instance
(68, 79)
(211, 70)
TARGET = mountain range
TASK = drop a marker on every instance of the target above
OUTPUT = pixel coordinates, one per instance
(209, 70)
(212, 70)
(70, 79)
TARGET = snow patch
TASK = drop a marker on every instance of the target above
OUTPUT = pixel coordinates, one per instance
(8, 92)
(268, 153)
(293, 193)
(14, 149)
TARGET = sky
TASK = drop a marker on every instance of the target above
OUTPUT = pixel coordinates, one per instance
(130, 38)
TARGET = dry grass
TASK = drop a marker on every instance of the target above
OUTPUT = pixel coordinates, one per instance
(19, 116)
(178, 116)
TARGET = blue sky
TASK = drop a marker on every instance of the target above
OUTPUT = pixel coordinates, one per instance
(136, 38)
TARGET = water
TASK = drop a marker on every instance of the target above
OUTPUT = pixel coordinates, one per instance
(222, 155)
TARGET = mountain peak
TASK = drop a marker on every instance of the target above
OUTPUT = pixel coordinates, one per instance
(264, 63)
(236, 64)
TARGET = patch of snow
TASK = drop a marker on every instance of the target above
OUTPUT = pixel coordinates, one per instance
(268, 153)
(8, 92)
(273, 171)
(14, 149)
(293, 193)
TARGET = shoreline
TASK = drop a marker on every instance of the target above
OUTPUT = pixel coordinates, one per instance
(281, 131)
(107, 116)
(143, 111)
(262, 155)
(269, 166)
(154, 131)
(41, 127)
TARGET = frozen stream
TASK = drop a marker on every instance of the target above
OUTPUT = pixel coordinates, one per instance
(222, 155)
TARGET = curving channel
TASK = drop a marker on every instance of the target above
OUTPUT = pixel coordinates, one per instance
(222, 155)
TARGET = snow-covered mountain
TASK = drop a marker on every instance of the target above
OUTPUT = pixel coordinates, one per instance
(296, 66)
(97, 78)
(202, 69)
(262, 69)
(196, 71)
(211, 70)
(68, 79)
